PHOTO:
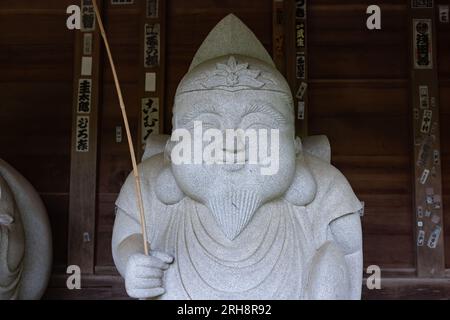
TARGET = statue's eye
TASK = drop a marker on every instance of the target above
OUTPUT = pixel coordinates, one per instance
(260, 125)
(257, 121)
(207, 121)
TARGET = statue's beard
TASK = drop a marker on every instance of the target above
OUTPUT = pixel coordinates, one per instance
(233, 210)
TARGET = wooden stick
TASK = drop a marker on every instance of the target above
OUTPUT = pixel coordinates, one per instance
(127, 129)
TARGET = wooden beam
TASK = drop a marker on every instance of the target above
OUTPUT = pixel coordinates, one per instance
(297, 59)
(152, 69)
(278, 36)
(428, 215)
(83, 173)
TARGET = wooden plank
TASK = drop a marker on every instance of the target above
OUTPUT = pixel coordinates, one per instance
(428, 213)
(297, 59)
(395, 284)
(83, 173)
(278, 41)
(151, 100)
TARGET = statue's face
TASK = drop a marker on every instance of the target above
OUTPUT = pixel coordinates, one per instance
(234, 190)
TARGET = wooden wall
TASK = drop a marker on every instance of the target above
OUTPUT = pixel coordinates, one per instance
(36, 57)
(359, 97)
(444, 82)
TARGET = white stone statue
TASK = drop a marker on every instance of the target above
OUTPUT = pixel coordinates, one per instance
(25, 238)
(226, 231)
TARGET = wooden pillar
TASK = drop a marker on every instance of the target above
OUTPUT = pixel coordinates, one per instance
(83, 173)
(428, 215)
(297, 60)
(152, 69)
(278, 38)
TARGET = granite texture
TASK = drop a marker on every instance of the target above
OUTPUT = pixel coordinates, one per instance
(25, 238)
(219, 232)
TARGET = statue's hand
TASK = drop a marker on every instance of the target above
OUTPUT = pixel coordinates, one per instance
(144, 274)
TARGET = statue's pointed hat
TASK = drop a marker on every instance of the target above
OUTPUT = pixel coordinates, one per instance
(231, 58)
(231, 36)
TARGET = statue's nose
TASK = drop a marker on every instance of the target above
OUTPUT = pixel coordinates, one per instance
(235, 145)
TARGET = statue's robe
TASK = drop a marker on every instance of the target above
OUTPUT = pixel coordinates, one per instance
(10, 279)
(270, 259)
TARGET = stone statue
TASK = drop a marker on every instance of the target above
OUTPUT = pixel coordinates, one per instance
(226, 231)
(25, 239)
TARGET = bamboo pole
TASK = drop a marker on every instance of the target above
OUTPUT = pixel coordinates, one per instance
(127, 129)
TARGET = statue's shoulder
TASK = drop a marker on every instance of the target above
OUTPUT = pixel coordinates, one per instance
(323, 172)
(149, 170)
(334, 192)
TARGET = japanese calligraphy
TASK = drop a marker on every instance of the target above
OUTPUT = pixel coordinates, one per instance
(423, 55)
(301, 65)
(426, 121)
(421, 4)
(87, 44)
(150, 117)
(82, 134)
(88, 15)
(152, 45)
(152, 9)
(300, 35)
(84, 96)
(300, 9)
(424, 97)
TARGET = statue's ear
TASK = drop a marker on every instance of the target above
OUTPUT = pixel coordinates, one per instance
(304, 187)
(167, 189)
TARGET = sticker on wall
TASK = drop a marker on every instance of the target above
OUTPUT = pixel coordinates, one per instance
(152, 45)
(300, 9)
(119, 134)
(420, 4)
(424, 97)
(150, 117)
(433, 172)
(122, 1)
(301, 91)
(419, 212)
(84, 96)
(301, 110)
(426, 121)
(87, 44)
(424, 176)
(427, 213)
(152, 9)
(416, 114)
(301, 65)
(87, 16)
(82, 134)
(430, 194)
(421, 238)
(435, 219)
(300, 35)
(423, 48)
(150, 82)
(444, 13)
(437, 200)
(86, 66)
(425, 151)
(434, 237)
(436, 157)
